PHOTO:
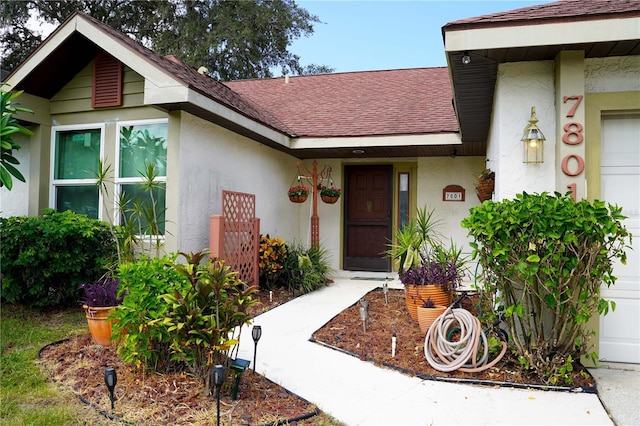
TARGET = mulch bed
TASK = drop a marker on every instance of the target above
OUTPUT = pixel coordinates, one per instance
(345, 332)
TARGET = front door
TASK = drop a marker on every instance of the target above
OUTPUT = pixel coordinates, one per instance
(367, 218)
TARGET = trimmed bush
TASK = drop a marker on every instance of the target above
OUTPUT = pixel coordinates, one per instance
(46, 258)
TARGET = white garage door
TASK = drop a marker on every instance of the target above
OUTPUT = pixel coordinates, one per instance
(620, 178)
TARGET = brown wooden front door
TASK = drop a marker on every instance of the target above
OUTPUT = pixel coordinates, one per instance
(367, 218)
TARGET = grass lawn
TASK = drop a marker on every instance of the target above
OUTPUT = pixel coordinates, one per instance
(27, 397)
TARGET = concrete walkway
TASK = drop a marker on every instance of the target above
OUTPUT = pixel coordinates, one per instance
(358, 393)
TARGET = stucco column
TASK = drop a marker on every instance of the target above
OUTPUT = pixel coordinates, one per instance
(570, 118)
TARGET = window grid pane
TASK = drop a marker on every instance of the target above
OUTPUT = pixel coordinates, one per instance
(76, 154)
(82, 199)
(142, 144)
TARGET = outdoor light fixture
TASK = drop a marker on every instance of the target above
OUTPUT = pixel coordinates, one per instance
(364, 313)
(110, 379)
(256, 333)
(217, 378)
(385, 290)
(466, 58)
(393, 345)
(533, 141)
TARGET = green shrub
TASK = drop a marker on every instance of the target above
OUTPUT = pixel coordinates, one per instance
(305, 270)
(544, 258)
(143, 339)
(181, 315)
(272, 255)
(46, 258)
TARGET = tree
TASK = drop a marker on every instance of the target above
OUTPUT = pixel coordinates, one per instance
(233, 39)
(9, 126)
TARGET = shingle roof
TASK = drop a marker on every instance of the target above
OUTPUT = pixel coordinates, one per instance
(370, 103)
(204, 84)
(560, 11)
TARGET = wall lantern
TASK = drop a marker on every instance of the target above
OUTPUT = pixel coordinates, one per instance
(466, 58)
(533, 140)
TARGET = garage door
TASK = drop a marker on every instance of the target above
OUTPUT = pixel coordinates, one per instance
(620, 178)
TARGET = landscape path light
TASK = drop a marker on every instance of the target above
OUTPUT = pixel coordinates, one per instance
(385, 290)
(110, 379)
(364, 313)
(217, 377)
(256, 334)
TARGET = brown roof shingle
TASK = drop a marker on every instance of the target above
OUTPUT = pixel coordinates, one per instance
(560, 11)
(370, 103)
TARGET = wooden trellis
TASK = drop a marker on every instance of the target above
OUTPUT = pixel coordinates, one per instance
(235, 235)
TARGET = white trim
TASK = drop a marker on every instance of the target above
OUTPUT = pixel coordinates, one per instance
(53, 183)
(377, 141)
(531, 34)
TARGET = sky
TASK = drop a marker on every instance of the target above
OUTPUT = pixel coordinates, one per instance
(391, 34)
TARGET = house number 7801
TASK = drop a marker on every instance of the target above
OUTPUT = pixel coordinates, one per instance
(572, 136)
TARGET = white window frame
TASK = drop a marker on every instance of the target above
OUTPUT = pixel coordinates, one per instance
(55, 183)
(119, 181)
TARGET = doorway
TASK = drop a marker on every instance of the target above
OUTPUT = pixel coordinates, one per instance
(368, 195)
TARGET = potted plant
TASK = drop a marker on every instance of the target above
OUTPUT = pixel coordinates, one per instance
(411, 238)
(427, 313)
(298, 193)
(100, 299)
(329, 194)
(440, 272)
(485, 185)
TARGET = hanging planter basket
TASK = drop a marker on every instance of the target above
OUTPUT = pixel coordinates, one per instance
(329, 199)
(485, 189)
(298, 198)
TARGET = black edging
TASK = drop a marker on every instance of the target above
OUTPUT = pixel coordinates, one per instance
(112, 417)
(424, 376)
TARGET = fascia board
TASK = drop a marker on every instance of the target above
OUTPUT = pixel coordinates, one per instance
(543, 34)
(39, 55)
(377, 141)
(218, 109)
(135, 61)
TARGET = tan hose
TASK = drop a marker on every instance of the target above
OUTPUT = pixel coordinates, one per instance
(445, 355)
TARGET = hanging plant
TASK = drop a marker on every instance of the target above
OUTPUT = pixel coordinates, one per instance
(485, 185)
(329, 194)
(298, 193)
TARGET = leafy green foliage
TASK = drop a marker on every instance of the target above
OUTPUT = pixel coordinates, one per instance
(9, 126)
(271, 257)
(305, 270)
(46, 258)
(233, 39)
(181, 315)
(144, 340)
(544, 258)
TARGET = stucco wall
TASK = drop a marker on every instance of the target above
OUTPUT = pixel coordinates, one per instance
(520, 86)
(215, 159)
(436, 173)
(617, 74)
(16, 201)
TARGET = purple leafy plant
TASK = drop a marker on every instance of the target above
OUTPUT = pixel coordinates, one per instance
(102, 293)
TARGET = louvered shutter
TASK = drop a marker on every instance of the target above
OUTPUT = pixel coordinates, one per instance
(107, 82)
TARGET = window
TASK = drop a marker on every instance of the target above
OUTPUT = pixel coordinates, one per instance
(403, 199)
(75, 155)
(142, 175)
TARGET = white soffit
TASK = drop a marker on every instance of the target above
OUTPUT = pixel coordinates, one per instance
(543, 34)
(377, 141)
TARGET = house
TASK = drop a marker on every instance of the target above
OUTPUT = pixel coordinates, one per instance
(393, 140)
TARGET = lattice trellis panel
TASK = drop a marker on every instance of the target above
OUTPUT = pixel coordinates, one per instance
(241, 234)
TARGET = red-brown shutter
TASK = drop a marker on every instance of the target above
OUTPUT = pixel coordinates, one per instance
(107, 82)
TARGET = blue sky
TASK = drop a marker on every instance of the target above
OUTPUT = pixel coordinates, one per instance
(379, 35)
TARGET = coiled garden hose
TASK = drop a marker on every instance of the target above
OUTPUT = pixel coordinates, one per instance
(469, 354)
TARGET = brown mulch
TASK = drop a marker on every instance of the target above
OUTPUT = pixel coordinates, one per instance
(345, 332)
(155, 399)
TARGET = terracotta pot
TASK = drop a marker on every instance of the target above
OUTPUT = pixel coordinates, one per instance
(298, 198)
(426, 316)
(416, 294)
(329, 200)
(99, 325)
